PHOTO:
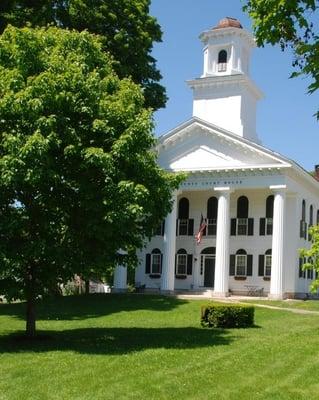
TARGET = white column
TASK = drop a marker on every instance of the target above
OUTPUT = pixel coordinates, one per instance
(120, 279)
(276, 280)
(222, 244)
(168, 266)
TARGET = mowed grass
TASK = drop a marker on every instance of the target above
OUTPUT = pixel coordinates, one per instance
(311, 305)
(152, 347)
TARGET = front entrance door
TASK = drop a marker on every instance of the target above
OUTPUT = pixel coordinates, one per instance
(209, 270)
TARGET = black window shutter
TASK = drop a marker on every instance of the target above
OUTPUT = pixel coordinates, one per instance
(262, 226)
(233, 226)
(261, 264)
(300, 267)
(249, 265)
(177, 227)
(189, 264)
(190, 227)
(250, 226)
(232, 265)
(161, 263)
(301, 229)
(306, 231)
(163, 227)
(148, 264)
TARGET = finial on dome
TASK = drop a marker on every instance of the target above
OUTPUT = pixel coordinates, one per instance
(228, 22)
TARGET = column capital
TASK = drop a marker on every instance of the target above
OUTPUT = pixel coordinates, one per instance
(278, 188)
(223, 190)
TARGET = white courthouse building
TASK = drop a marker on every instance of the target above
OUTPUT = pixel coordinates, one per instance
(258, 204)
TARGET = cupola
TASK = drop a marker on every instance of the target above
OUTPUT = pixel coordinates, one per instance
(225, 95)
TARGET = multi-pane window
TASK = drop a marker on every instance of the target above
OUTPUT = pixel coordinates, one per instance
(242, 226)
(303, 223)
(241, 264)
(184, 264)
(155, 263)
(181, 267)
(264, 268)
(185, 225)
(182, 226)
(222, 61)
(212, 206)
(267, 270)
(265, 224)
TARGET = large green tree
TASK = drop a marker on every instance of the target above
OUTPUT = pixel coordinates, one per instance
(78, 177)
(290, 23)
(127, 29)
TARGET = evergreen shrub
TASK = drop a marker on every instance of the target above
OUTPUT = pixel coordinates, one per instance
(227, 316)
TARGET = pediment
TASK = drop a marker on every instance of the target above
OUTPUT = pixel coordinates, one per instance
(200, 146)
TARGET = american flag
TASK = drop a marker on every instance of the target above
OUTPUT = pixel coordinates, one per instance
(201, 229)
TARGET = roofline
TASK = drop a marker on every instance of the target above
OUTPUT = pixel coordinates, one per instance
(275, 155)
(206, 35)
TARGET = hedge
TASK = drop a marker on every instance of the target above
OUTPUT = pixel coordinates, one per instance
(227, 316)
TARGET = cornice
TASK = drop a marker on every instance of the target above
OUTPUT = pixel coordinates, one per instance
(216, 33)
(226, 80)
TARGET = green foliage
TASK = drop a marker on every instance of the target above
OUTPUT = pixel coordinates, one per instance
(126, 28)
(312, 256)
(290, 23)
(78, 177)
(227, 316)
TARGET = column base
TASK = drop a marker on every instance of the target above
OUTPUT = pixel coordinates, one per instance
(220, 294)
(276, 296)
(166, 292)
(117, 290)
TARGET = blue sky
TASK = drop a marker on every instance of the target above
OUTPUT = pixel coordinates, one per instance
(285, 121)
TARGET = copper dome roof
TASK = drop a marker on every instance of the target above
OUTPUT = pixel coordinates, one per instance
(228, 22)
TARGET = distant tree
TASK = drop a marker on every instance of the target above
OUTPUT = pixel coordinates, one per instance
(290, 23)
(127, 29)
(78, 177)
(312, 256)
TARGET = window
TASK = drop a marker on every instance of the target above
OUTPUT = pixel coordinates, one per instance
(264, 265)
(241, 264)
(310, 221)
(265, 224)
(184, 264)
(242, 225)
(153, 264)
(303, 223)
(185, 225)
(181, 262)
(212, 206)
(161, 229)
(222, 61)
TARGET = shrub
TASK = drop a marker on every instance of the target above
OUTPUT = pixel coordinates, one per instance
(227, 316)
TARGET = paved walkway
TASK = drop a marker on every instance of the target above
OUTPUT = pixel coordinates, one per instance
(240, 299)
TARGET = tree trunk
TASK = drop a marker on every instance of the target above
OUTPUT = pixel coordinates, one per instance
(30, 322)
(87, 287)
(30, 297)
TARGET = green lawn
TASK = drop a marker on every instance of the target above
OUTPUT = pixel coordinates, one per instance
(312, 305)
(151, 347)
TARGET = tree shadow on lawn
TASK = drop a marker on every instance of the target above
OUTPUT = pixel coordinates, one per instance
(93, 305)
(119, 341)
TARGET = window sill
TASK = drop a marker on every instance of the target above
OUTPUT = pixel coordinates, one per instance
(240, 278)
(180, 276)
(154, 276)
